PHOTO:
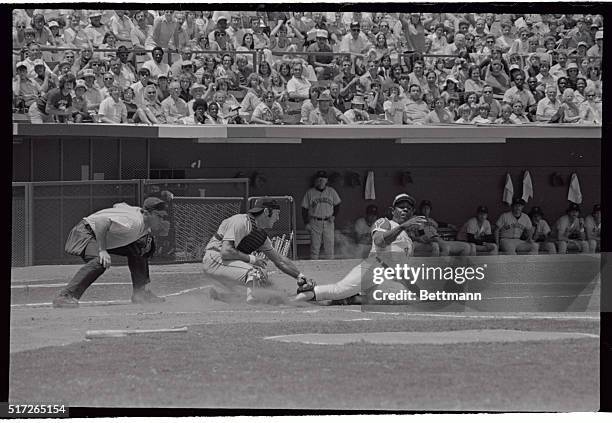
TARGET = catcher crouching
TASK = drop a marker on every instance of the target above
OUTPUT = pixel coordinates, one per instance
(230, 254)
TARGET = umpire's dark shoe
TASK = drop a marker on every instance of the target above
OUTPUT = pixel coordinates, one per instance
(65, 301)
(146, 297)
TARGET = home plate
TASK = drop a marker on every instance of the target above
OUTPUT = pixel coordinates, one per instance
(443, 337)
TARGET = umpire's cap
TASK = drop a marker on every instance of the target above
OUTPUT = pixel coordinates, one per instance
(404, 197)
(518, 200)
(482, 209)
(372, 210)
(321, 174)
(426, 203)
(573, 207)
(596, 208)
(154, 204)
(264, 203)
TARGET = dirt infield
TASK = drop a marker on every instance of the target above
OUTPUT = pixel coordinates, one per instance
(224, 359)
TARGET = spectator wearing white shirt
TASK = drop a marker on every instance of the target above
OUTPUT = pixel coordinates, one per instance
(155, 65)
(356, 41)
(121, 25)
(298, 87)
(112, 109)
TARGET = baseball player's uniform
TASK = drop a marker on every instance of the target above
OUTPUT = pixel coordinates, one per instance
(593, 233)
(510, 230)
(242, 230)
(479, 232)
(320, 205)
(540, 236)
(570, 233)
(397, 252)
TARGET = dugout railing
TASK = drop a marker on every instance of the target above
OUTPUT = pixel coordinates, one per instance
(44, 212)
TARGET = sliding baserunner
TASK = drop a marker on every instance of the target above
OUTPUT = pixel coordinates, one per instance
(391, 245)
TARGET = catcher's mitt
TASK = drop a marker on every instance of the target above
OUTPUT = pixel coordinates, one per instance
(305, 284)
(258, 278)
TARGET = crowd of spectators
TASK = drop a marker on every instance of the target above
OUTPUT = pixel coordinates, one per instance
(199, 67)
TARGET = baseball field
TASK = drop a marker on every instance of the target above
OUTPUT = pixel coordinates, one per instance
(314, 357)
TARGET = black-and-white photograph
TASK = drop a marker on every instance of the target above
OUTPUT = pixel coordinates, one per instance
(305, 208)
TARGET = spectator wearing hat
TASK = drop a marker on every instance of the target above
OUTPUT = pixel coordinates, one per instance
(174, 107)
(513, 230)
(357, 114)
(572, 71)
(221, 21)
(34, 55)
(592, 229)
(297, 87)
(596, 50)
(577, 34)
(197, 91)
(127, 68)
(25, 90)
(79, 103)
(324, 113)
(415, 110)
(541, 231)
(478, 233)
(112, 109)
(155, 65)
(96, 30)
(56, 105)
(322, 64)
(58, 38)
(320, 207)
(122, 230)
(355, 41)
(268, 111)
(569, 231)
(93, 95)
(362, 231)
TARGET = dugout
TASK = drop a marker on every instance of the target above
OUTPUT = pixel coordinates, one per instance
(456, 167)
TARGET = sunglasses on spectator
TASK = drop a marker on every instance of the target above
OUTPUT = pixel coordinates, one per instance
(20, 26)
(355, 30)
(590, 95)
(488, 92)
(108, 79)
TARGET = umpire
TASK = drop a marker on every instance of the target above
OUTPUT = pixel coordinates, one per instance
(122, 230)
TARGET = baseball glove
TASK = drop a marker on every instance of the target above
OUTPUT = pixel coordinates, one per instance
(305, 284)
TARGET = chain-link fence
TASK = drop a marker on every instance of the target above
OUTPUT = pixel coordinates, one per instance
(58, 206)
(195, 221)
(20, 226)
(286, 224)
